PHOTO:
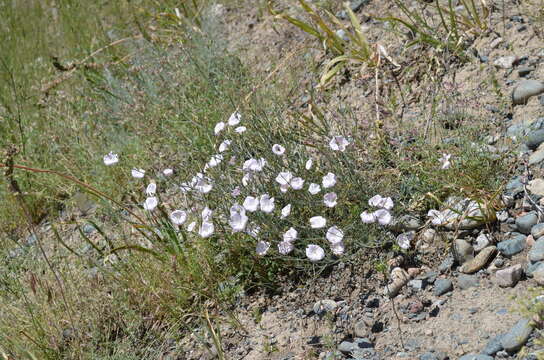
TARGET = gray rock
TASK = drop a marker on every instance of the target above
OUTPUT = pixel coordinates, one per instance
(361, 329)
(526, 222)
(514, 186)
(525, 70)
(505, 62)
(446, 264)
(534, 139)
(357, 344)
(537, 156)
(536, 187)
(513, 245)
(323, 306)
(493, 346)
(417, 284)
(537, 230)
(482, 241)
(431, 355)
(475, 357)
(442, 286)
(525, 90)
(405, 223)
(462, 251)
(510, 276)
(537, 252)
(518, 335)
(467, 281)
(88, 229)
(531, 268)
(538, 275)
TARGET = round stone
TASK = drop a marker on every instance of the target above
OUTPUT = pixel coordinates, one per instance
(525, 90)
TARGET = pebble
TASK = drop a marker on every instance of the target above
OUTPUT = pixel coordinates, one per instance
(526, 222)
(356, 344)
(482, 241)
(442, 286)
(493, 346)
(467, 281)
(462, 251)
(518, 335)
(510, 276)
(481, 260)
(505, 62)
(524, 71)
(526, 89)
(536, 186)
(513, 245)
(475, 357)
(417, 284)
(324, 306)
(405, 223)
(531, 268)
(538, 275)
(537, 230)
(537, 252)
(446, 264)
(360, 329)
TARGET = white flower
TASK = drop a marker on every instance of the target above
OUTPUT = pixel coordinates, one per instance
(445, 161)
(278, 149)
(254, 165)
(315, 252)
(206, 229)
(238, 218)
(318, 222)
(314, 188)
(219, 127)
(338, 248)
(267, 203)
(262, 248)
(290, 235)
(329, 180)
(224, 145)
(236, 192)
(285, 247)
(246, 179)
(367, 218)
(111, 159)
(251, 203)
(297, 183)
(437, 217)
(381, 202)
(309, 164)
(404, 239)
(330, 199)
(215, 160)
(284, 178)
(168, 172)
(138, 173)
(334, 235)
(284, 188)
(235, 118)
(240, 129)
(383, 216)
(338, 143)
(178, 217)
(191, 226)
(151, 203)
(201, 183)
(206, 214)
(151, 189)
(286, 211)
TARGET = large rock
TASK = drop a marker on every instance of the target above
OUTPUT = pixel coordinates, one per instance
(513, 245)
(538, 275)
(510, 276)
(482, 259)
(518, 335)
(476, 357)
(525, 90)
(536, 187)
(526, 222)
(537, 252)
(442, 286)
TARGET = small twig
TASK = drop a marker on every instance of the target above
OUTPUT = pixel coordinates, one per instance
(527, 196)
(398, 322)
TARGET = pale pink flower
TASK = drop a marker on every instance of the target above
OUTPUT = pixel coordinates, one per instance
(262, 248)
(329, 180)
(267, 203)
(178, 217)
(151, 189)
(251, 203)
(338, 143)
(111, 159)
(317, 222)
(367, 218)
(297, 183)
(334, 235)
(235, 119)
(219, 127)
(383, 216)
(240, 129)
(286, 211)
(284, 178)
(314, 188)
(151, 203)
(206, 229)
(338, 248)
(168, 172)
(445, 161)
(290, 235)
(285, 247)
(309, 164)
(315, 252)
(330, 199)
(138, 173)
(224, 145)
(278, 149)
